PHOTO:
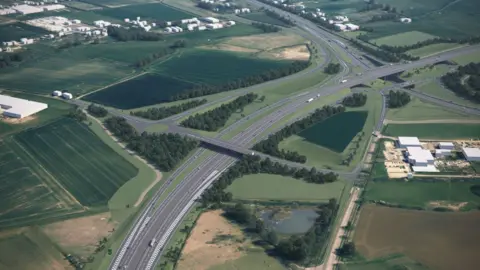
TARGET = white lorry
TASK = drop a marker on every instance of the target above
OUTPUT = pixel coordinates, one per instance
(309, 100)
(152, 242)
(343, 81)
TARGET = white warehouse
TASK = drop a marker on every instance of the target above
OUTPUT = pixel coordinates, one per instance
(19, 108)
(471, 154)
(211, 20)
(404, 142)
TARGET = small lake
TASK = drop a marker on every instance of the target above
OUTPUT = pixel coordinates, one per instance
(295, 222)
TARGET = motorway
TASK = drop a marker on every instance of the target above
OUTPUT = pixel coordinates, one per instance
(159, 222)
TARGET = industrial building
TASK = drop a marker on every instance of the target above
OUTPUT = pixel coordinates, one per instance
(418, 156)
(340, 27)
(471, 154)
(19, 108)
(441, 153)
(211, 20)
(446, 145)
(26, 9)
(404, 142)
(405, 20)
(352, 27)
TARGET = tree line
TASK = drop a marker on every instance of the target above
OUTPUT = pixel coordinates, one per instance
(77, 114)
(205, 89)
(470, 88)
(355, 100)
(397, 99)
(266, 28)
(332, 68)
(405, 48)
(295, 248)
(164, 112)
(97, 111)
(269, 146)
(218, 117)
(382, 54)
(161, 53)
(165, 151)
(253, 165)
(279, 17)
(8, 59)
(123, 34)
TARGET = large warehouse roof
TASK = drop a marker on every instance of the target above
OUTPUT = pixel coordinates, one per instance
(419, 154)
(409, 141)
(19, 108)
(470, 152)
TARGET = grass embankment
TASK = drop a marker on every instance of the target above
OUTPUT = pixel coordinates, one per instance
(434, 131)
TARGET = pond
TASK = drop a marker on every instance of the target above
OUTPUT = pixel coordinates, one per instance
(297, 221)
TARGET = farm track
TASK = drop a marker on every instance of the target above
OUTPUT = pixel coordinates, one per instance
(433, 121)
(112, 84)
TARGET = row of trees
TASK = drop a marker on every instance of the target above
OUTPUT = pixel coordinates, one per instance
(355, 100)
(78, 115)
(397, 99)
(266, 28)
(204, 89)
(470, 88)
(97, 111)
(181, 43)
(332, 68)
(123, 34)
(218, 117)
(382, 54)
(270, 145)
(7, 59)
(164, 112)
(279, 17)
(163, 150)
(253, 165)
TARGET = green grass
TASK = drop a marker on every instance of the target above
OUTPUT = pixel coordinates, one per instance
(390, 262)
(29, 249)
(90, 170)
(418, 110)
(419, 193)
(467, 58)
(56, 109)
(254, 259)
(153, 11)
(16, 31)
(436, 90)
(427, 72)
(263, 18)
(434, 131)
(406, 38)
(432, 49)
(263, 187)
(81, 5)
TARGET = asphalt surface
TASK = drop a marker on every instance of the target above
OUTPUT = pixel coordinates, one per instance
(159, 222)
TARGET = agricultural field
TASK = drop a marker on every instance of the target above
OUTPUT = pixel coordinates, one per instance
(434, 130)
(269, 187)
(180, 73)
(390, 262)
(16, 31)
(56, 109)
(26, 249)
(437, 90)
(81, 5)
(432, 49)
(88, 169)
(154, 11)
(118, 3)
(436, 240)
(452, 194)
(406, 38)
(263, 18)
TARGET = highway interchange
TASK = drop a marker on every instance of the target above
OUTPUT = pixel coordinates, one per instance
(159, 219)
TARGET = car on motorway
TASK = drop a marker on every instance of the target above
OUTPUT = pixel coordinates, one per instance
(343, 81)
(152, 242)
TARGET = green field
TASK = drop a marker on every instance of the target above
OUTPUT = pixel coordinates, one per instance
(264, 187)
(389, 262)
(263, 18)
(56, 108)
(16, 31)
(181, 73)
(90, 170)
(432, 49)
(114, 3)
(434, 131)
(417, 110)
(436, 90)
(81, 5)
(406, 38)
(254, 259)
(153, 11)
(419, 194)
(30, 249)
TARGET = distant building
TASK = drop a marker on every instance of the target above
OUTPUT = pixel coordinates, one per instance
(419, 157)
(405, 20)
(57, 93)
(19, 108)
(211, 20)
(26, 9)
(404, 142)
(352, 27)
(441, 153)
(340, 27)
(53, 7)
(471, 154)
(446, 145)
(67, 95)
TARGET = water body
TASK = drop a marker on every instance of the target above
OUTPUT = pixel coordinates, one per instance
(299, 221)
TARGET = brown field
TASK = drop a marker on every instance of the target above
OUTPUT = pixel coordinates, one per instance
(212, 242)
(81, 235)
(228, 47)
(266, 41)
(299, 52)
(442, 241)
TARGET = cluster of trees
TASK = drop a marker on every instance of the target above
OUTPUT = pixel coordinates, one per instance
(453, 80)
(270, 145)
(69, 44)
(397, 99)
(384, 17)
(96, 110)
(164, 112)
(382, 54)
(349, 158)
(332, 68)
(266, 28)
(253, 165)
(218, 117)
(355, 100)
(420, 44)
(152, 57)
(123, 34)
(78, 115)
(163, 150)
(204, 89)
(7, 59)
(346, 250)
(279, 17)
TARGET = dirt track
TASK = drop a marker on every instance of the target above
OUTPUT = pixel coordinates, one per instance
(456, 121)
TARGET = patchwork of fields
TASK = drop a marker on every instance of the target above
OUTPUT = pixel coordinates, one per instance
(434, 131)
(16, 31)
(153, 11)
(440, 241)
